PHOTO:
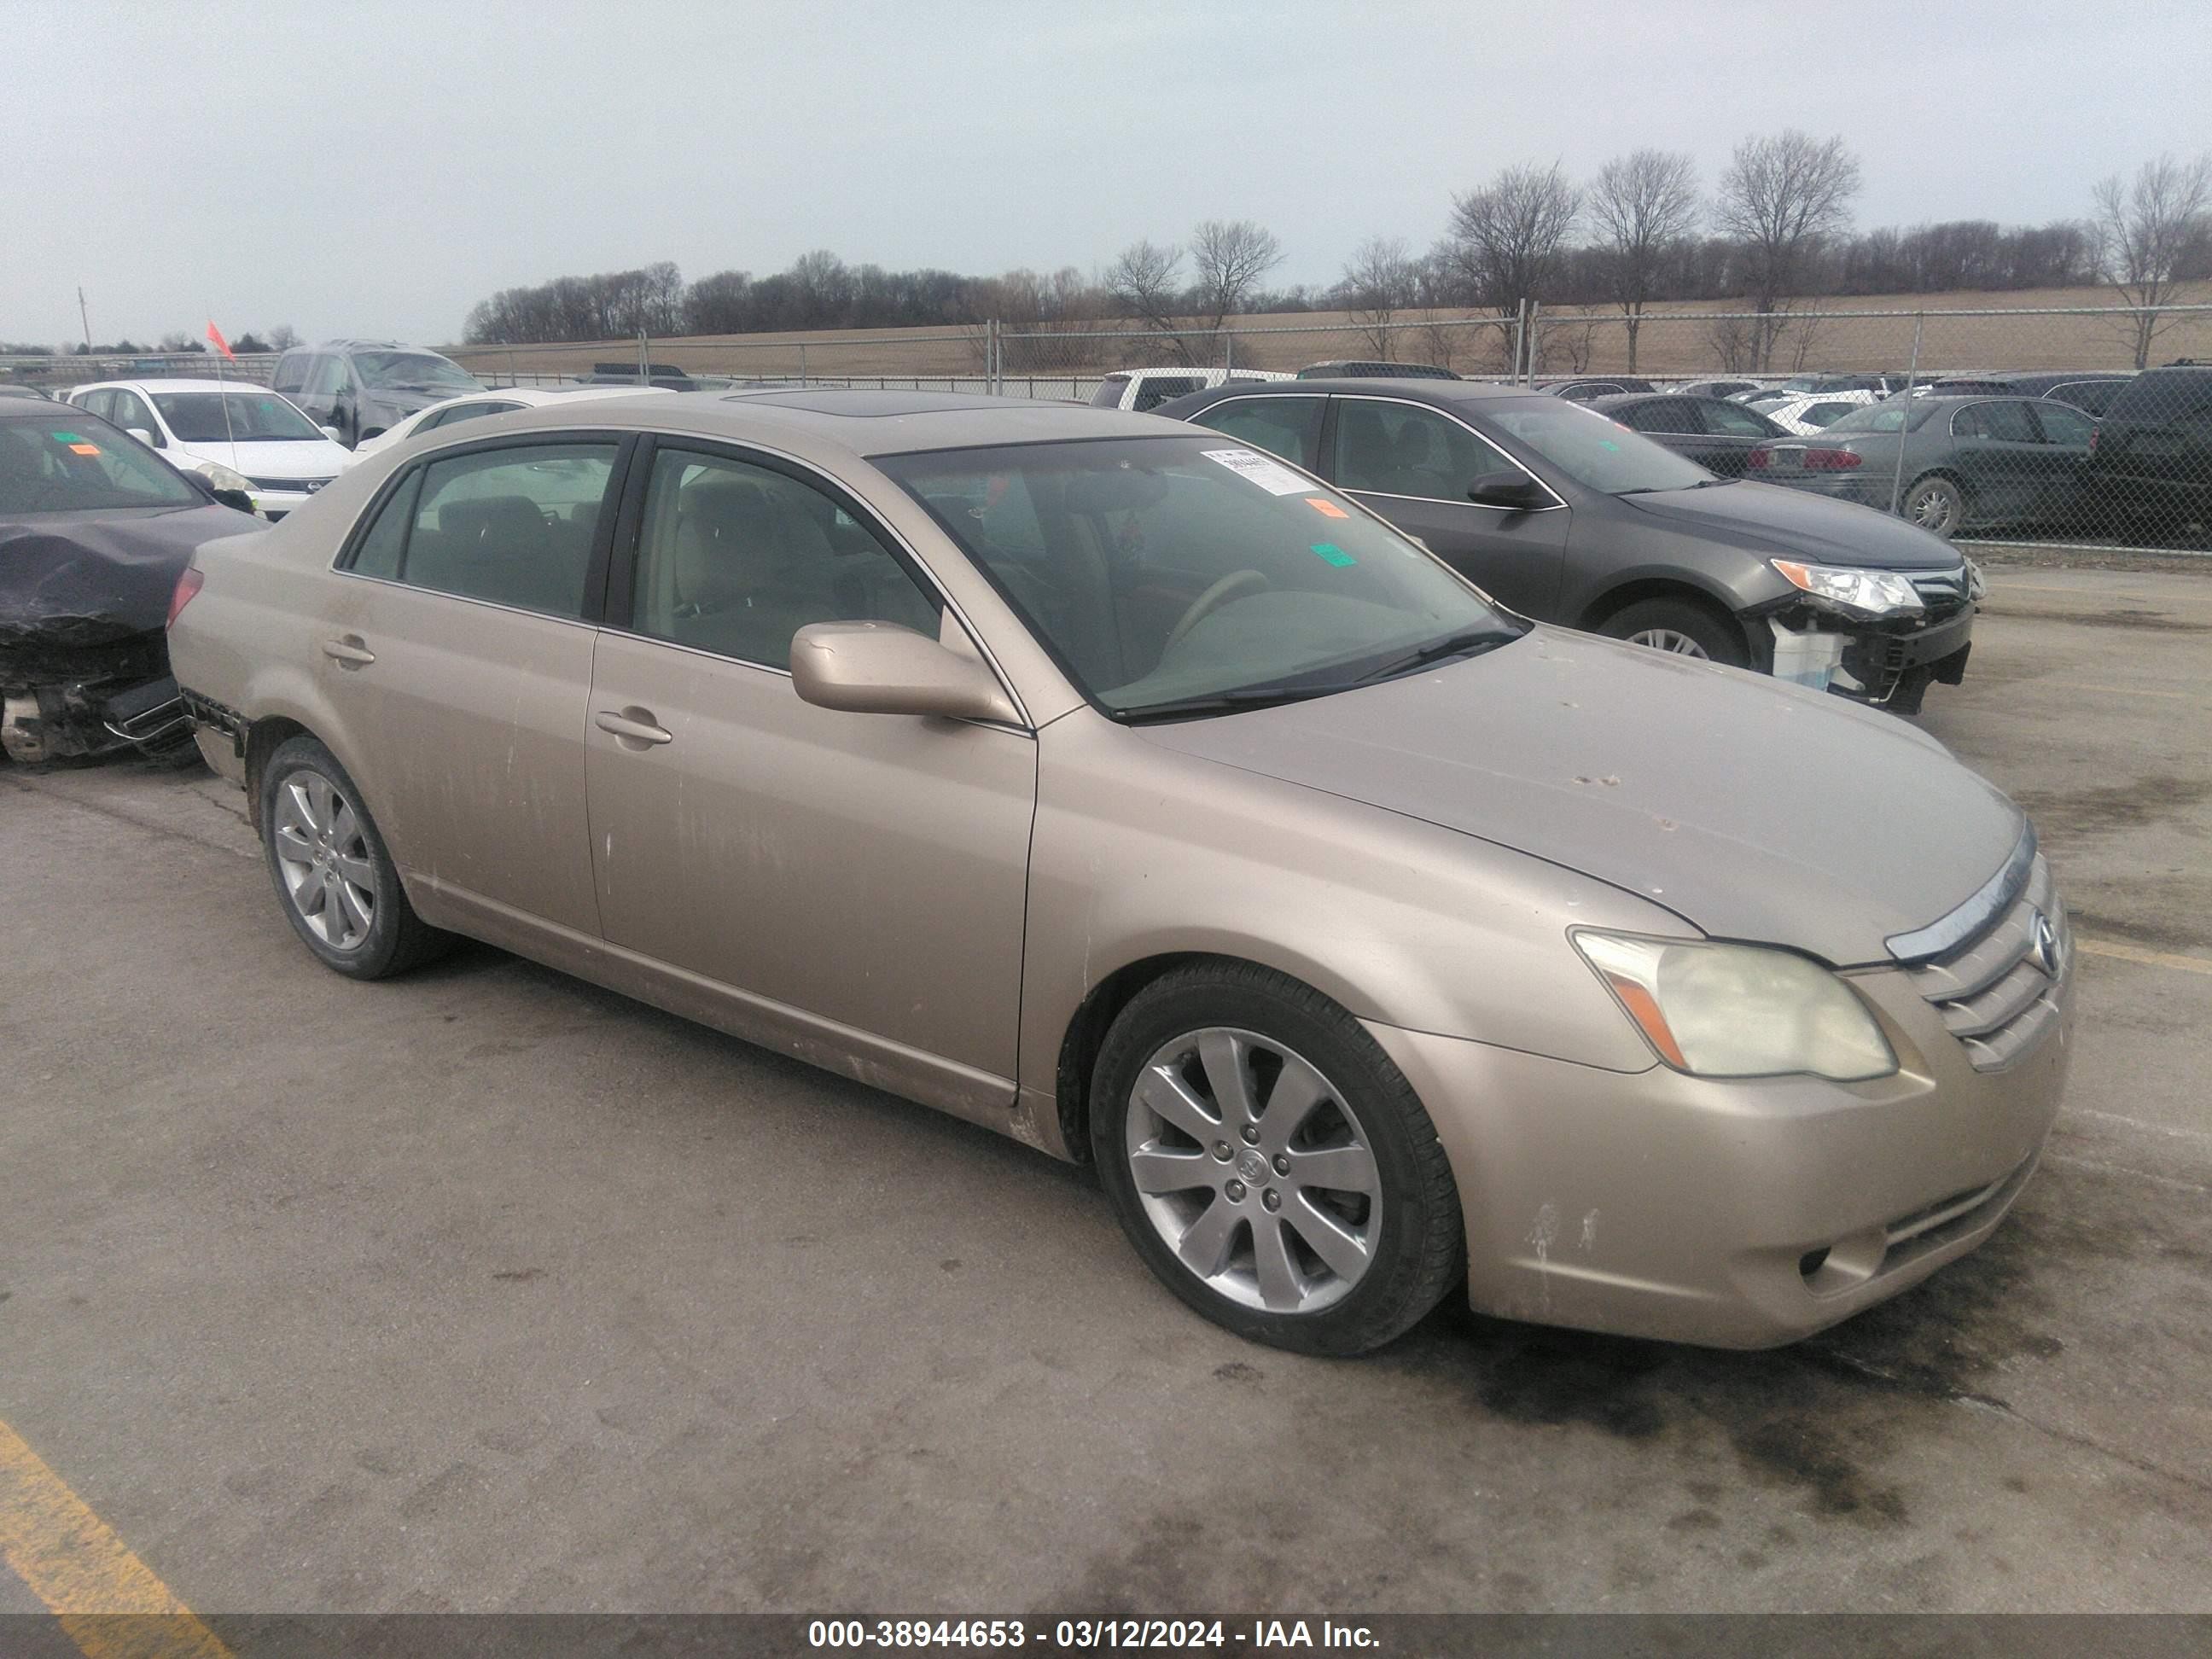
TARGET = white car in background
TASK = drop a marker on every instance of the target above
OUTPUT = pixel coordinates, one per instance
(234, 435)
(496, 400)
(1815, 411)
(1141, 389)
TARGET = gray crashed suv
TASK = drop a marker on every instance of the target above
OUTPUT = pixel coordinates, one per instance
(359, 388)
(1566, 516)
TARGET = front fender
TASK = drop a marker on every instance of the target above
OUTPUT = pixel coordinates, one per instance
(1139, 851)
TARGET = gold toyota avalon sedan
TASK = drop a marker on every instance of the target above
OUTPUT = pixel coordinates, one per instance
(1121, 788)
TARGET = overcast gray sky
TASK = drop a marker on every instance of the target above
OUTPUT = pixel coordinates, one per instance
(375, 168)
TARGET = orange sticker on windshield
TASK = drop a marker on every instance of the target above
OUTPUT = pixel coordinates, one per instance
(1327, 509)
(84, 449)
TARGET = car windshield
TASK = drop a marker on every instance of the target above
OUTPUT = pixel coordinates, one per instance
(1179, 576)
(201, 417)
(71, 465)
(411, 371)
(1882, 418)
(1592, 448)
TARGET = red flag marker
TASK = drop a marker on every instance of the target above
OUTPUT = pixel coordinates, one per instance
(221, 344)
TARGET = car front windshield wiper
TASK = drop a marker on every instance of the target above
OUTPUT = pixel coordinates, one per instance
(1466, 643)
(1707, 484)
(1222, 702)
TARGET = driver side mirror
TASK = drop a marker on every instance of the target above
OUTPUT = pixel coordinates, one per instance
(881, 668)
(332, 434)
(236, 499)
(1511, 490)
(145, 437)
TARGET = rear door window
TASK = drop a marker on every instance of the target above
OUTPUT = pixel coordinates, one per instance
(1677, 414)
(1735, 421)
(2065, 425)
(1401, 449)
(513, 526)
(1288, 427)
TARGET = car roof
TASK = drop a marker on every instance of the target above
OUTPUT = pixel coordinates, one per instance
(175, 383)
(1420, 387)
(855, 421)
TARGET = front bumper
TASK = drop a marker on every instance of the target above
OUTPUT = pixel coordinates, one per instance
(1735, 1213)
(1889, 665)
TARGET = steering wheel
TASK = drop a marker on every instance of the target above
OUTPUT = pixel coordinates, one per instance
(1237, 582)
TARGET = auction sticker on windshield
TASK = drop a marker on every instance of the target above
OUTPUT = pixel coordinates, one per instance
(1271, 475)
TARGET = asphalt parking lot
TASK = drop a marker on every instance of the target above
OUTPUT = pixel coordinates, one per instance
(485, 1289)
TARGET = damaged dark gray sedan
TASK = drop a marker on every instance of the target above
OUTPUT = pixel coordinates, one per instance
(1564, 514)
(95, 530)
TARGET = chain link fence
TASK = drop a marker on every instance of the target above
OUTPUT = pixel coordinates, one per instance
(2063, 428)
(57, 374)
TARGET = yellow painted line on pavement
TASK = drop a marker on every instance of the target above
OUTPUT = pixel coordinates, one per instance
(108, 1601)
(2100, 947)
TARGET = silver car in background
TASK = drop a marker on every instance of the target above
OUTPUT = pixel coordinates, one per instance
(1119, 788)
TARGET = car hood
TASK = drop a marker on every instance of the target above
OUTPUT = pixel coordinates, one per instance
(70, 580)
(295, 458)
(1751, 809)
(1772, 520)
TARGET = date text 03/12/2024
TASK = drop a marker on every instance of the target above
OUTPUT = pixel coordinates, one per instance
(1087, 1634)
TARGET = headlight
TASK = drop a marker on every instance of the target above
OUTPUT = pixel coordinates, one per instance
(1854, 592)
(220, 477)
(1739, 1009)
(1976, 587)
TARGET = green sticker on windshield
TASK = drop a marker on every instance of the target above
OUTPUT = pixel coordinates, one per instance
(1335, 555)
(66, 438)
(1607, 443)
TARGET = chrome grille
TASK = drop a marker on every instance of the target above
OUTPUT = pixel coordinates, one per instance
(1943, 591)
(1998, 992)
(295, 486)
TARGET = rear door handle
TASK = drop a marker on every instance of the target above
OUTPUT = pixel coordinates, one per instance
(349, 651)
(636, 727)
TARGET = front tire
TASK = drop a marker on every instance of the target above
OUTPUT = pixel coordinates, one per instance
(1682, 627)
(1270, 1164)
(338, 883)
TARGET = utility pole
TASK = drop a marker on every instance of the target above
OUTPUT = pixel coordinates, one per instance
(84, 317)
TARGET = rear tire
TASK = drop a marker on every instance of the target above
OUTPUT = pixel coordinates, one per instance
(1936, 504)
(1680, 626)
(338, 883)
(1292, 1190)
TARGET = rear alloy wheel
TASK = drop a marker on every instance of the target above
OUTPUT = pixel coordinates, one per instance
(1937, 505)
(340, 889)
(1680, 628)
(1270, 1164)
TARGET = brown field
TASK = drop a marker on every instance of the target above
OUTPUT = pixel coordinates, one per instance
(1866, 332)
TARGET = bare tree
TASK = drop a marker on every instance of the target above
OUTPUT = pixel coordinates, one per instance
(1505, 238)
(1782, 199)
(1379, 282)
(283, 338)
(1229, 256)
(1643, 203)
(2143, 231)
(1144, 283)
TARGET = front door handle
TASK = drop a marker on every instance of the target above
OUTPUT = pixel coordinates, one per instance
(350, 652)
(636, 727)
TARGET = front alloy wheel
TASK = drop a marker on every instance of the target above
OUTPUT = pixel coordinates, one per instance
(1253, 1169)
(1667, 639)
(1270, 1163)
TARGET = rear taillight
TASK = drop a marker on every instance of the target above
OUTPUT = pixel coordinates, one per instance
(1830, 460)
(187, 585)
(1760, 460)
